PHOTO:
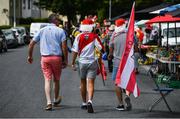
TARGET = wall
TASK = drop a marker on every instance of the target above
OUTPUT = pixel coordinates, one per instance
(4, 12)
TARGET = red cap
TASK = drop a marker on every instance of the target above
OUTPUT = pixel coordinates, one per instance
(119, 22)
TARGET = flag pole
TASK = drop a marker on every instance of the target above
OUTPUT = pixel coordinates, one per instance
(126, 77)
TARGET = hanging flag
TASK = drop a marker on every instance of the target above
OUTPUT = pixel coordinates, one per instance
(101, 69)
(126, 77)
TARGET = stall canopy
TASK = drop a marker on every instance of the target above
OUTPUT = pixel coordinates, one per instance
(163, 19)
(166, 9)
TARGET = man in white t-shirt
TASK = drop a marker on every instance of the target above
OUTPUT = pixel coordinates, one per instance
(84, 46)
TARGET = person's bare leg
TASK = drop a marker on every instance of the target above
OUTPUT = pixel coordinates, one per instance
(48, 90)
(90, 89)
(56, 88)
(90, 95)
(118, 91)
(83, 90)
(128, 101)
(127, 93)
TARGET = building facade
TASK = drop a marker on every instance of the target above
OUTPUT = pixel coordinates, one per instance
(4, 12)
(23, 9)
(33, 11)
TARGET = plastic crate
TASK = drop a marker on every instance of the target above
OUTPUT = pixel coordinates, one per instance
(174, 84)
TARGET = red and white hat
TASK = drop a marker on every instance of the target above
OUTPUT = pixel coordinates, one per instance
(87, 25)
(119, 22)
(120, 25)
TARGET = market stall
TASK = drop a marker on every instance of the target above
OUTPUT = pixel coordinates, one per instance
(167, 55)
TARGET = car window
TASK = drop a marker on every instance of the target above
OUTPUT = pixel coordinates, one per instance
(8, 34)
(43, 25)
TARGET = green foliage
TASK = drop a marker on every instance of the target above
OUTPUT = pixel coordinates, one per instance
(5, 27)
(30, 20)
(26, 26)
(101, 15)
(9, 26)
(25, 20)
(94, 7)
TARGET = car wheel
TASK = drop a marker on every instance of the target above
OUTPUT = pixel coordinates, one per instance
(5, 47)
(1, 47)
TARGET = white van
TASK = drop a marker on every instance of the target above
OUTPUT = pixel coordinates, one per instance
(35, 27)
(172, 37)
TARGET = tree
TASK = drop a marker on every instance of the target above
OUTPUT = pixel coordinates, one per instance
(71, 8)
(63, 7)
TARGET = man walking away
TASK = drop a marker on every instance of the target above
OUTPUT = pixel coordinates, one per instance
(54, 53)
(117, 45)
(84, 46)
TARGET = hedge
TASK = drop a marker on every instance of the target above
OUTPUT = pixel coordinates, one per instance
(5, 27)
(30, 20)
(9, 26)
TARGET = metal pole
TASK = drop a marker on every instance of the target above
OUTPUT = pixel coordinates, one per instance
(175, 34)
(109, 9)
(14, 5)
(167, 36)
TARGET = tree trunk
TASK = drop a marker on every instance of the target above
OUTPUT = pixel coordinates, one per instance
(69, 24)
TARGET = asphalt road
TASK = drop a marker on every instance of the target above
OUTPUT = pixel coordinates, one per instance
(22, 93)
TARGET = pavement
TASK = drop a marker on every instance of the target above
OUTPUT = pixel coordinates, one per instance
(22, 93)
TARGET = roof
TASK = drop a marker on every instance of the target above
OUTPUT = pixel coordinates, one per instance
(142, 14)
(150, 9)
(124, 15)
(141, 22)
(175, 13)
(166, 9)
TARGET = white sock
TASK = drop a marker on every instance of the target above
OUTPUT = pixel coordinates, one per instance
(90, 101)
(55, 100)
(48, 103)
(83, 103)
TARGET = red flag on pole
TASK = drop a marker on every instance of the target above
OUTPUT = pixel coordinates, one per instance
(126, 77)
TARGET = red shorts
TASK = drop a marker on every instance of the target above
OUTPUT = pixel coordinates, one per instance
(51, 67)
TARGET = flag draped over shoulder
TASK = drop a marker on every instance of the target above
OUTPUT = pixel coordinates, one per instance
(126, 77)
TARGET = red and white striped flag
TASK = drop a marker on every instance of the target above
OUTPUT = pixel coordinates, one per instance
(126, 77)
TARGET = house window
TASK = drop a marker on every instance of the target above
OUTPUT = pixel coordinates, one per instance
(29, 4)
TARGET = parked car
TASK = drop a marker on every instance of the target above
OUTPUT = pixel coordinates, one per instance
(18, 35)
(3, 43)
(11, 40)
(24, 34)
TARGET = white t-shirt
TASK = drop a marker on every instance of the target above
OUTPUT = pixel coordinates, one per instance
(84, 45)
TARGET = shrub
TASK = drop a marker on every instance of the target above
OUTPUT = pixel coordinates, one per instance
(5, 27)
